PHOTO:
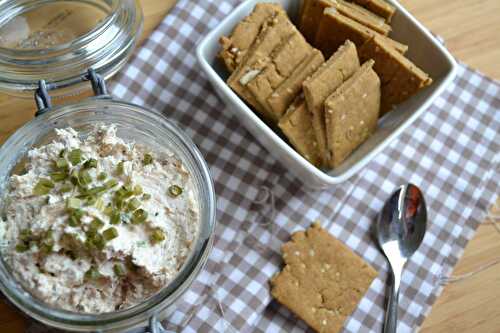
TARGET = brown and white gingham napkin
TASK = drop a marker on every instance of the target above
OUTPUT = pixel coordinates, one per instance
(451, 152)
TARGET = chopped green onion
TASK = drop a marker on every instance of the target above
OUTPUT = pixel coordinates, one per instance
(22, 247)
(58, 176)
(75, 156)
(148, 159)
(75, 217)
(175, 191)
(99, 204)
(110, 233)
(102, 176)
(62, 164)
(90, 163)
(73, 203)
(25, 235)
(124, 192)
(47, 247)
(99, 241)
(92, 274)
(85, 177)
(139, 216)
(119, 168)
(95, 190)
(91, 200)
(115, 218)
(96, 224)
(133, 204)
(75, 177)
(111, 183)
(43, 187)
(157, 236)
(66, 188)
(137, 189)
(146, 196)
(62, 153)
(119, 270)
(108, 210)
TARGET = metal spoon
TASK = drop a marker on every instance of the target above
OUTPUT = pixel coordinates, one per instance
(400, 230)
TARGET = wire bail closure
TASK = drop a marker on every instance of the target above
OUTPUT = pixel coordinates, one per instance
(44, 101)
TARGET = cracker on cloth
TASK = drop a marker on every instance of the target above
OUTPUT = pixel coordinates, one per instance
(351, 113)
(244, 34)
(296, 124)
(322, 84)
(400, 78)
(335, 28)
(322, 281)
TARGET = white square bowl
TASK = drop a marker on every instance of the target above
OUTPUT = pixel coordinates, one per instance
(424, 50)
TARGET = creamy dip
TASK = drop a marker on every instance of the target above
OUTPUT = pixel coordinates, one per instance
(98, 224)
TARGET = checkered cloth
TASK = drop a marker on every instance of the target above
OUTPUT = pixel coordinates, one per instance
(451, 152)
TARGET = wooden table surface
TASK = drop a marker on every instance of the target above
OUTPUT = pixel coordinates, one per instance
(471, 29)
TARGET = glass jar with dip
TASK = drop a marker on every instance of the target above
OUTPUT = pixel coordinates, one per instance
(42, 52)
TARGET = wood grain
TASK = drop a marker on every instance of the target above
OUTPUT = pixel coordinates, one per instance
(471, 31)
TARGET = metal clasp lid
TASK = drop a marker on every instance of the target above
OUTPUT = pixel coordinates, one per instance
(44, 101)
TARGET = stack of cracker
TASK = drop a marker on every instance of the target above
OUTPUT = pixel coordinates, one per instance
(269, 73)
(325, 109)
(327, 24)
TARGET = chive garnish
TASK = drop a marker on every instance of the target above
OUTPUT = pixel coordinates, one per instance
(137, 189)
(110, 233)
(102, 176)
(119, 168)
(43, 187)
(62, 164)
(115, 218)
(119, 270)
(157, 236)
(146, 196)
(58, 176)
(111, 183)
(139, 216)
(85, 177)
(148, 159)
(22, 247)
(73, 203)
(175, 191)
(90, 163)
(133, 204)
(75, 156)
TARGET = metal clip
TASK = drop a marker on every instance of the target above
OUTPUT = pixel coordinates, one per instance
(43, 99)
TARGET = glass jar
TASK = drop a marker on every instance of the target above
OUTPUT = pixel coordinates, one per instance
(59, 40)
(133, 123)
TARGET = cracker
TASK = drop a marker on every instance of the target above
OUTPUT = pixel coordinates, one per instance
(362, 15)
(282, 64)
(296, 124)
(275, 32)
(311, 11)
(244, 34)
(400, 78)
(379, 7)
(335, 28)
(323, 83)
(322, 281)
(282, 97)
(351, 113)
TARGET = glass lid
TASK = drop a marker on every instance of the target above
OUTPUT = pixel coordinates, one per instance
(59, 40)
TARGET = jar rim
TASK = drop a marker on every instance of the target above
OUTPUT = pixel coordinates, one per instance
(106, 47)
(167, 295)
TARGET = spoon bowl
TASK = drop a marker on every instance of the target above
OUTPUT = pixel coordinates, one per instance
(400, 230)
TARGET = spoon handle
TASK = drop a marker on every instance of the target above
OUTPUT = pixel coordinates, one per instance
(391, 315)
